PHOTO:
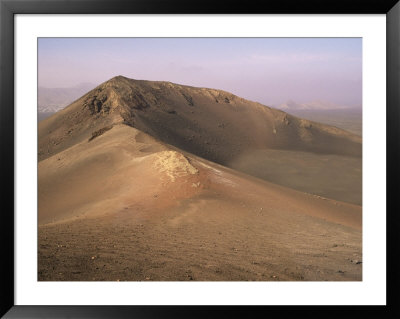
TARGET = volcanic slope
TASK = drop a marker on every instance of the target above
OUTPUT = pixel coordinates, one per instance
(219, 127)
(121, 205)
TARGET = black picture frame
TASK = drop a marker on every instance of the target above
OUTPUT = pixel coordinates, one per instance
(8, 8)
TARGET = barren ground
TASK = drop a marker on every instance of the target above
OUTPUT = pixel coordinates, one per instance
(165, 216)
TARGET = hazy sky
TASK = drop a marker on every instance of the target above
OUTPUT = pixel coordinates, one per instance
(267, 70)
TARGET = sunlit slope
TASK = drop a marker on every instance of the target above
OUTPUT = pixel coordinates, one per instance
(217, 126)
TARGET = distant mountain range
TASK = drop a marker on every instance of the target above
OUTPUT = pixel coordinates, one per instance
(51, 100)
(313, 105)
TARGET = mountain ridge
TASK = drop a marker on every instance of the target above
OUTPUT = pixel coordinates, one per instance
(141, 180)
(212, 123)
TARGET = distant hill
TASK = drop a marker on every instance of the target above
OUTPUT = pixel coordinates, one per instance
(44, 115)
(314, 105)
(349, 119)
(51, 100)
